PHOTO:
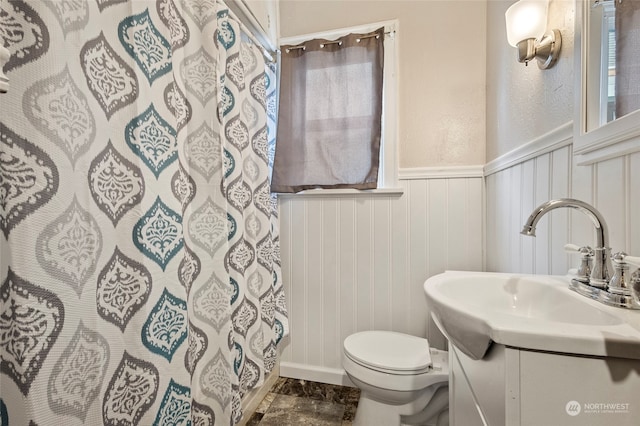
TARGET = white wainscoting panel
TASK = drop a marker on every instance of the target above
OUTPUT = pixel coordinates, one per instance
(512, 193)
(359, 263)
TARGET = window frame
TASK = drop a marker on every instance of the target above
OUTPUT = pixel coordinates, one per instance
(388, 166)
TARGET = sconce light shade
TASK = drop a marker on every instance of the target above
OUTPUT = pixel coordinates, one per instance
(526, 30)
(526, 19)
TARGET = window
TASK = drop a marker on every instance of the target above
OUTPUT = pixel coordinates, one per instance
(337, 121)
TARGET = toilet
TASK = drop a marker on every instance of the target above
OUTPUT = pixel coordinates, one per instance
(402, 380)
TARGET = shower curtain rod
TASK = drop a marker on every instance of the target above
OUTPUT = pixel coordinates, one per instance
(240, 12)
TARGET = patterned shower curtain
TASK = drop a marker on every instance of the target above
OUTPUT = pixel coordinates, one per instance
(139, 261)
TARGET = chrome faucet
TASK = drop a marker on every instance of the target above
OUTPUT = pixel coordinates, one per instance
(601, 271)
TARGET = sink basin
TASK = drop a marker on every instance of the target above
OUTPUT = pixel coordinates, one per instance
(538, 312)
(523, 296)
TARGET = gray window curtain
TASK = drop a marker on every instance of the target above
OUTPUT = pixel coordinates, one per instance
(627, 56)
(330, 116)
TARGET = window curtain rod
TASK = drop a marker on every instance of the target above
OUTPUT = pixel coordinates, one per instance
(302, 45)
(251, 27)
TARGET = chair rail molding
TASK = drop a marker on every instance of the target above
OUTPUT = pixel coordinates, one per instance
(548, 142)
(446, 172)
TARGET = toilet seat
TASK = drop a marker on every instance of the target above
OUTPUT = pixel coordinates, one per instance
(389, 352)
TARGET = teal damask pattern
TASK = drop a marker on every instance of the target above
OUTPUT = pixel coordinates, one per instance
(140, 277)
(166, 326)
(4, 415)
(175, 408)
(227, 102)
(158, 234)
(228, 163)
(152, 139)
(225, 33)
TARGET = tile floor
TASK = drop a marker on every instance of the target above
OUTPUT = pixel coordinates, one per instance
(293, 402)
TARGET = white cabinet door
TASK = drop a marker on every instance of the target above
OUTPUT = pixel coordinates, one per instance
(567, 390)
(463, 410)
(477, 388)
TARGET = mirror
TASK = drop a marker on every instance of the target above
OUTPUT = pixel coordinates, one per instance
(608, 84)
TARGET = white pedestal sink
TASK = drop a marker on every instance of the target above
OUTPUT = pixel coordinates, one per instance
(526, 350)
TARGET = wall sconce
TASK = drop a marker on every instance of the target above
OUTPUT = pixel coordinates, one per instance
(526, 30)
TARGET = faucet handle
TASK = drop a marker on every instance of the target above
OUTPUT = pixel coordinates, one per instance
(632, 260)
(634, 281)
(574, 248)
(586, 256)
(621, 258)
(621, 283)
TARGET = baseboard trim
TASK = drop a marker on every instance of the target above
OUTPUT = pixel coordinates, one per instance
(332, 376)
(551, 141)
(252, 399)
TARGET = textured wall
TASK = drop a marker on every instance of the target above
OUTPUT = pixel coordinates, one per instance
(442, 72)
(524, 102)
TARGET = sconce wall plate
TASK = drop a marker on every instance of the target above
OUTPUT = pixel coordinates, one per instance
(546, 51)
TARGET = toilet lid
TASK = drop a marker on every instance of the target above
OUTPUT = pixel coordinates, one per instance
(388, 350)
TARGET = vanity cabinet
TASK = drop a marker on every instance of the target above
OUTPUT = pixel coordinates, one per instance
(518, 387)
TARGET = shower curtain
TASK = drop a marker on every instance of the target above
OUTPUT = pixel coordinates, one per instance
(140, 265)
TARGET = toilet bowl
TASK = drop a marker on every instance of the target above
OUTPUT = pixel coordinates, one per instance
(402, 380)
